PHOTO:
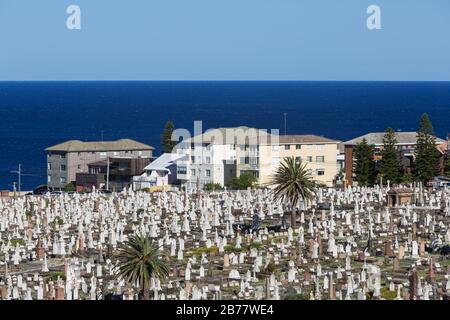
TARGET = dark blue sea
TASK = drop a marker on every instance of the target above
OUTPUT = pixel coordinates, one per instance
(35, 115)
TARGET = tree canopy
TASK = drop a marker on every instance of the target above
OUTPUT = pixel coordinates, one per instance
(427, 155)
(364, 165)
(167, 144)
(390, 165)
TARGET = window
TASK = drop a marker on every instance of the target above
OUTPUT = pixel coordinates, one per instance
(298, 146)
(276, 148)
(309, 158)
(320, 147)
(103, 155)
(192, 146)
(79, 167)
(320, 172)
(320, 159)
(298, 159)
(208, 173)
(123, 166)
(242, 160)
(63, 155)
(79, 154)
(192, 159)
(115, 153)
(140, 153)
(287, 147)
(208, 160)
(49, 166)
(63, 180)
(193, 172)
(49, 178)
(63, 167)
(181, 170)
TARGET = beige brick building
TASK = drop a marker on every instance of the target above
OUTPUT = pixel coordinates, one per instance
(319, 154)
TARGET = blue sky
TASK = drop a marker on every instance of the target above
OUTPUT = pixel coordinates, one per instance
(225, 40)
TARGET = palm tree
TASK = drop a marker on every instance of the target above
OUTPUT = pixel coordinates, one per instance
(139, 260)
(292, 183)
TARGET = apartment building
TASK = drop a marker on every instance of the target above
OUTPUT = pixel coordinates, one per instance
(218, 155)
(318, 153)
(221, 154)
(66, 159)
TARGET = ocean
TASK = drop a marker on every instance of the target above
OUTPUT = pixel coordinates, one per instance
(35, 115)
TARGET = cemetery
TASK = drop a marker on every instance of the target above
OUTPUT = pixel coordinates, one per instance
(347, 244)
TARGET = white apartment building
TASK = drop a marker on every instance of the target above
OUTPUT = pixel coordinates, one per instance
(218, 155)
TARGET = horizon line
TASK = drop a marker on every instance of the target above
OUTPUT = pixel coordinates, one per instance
(212, 80)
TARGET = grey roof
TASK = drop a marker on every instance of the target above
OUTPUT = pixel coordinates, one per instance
(306, 138)
(376, 138)
(222, 136)
(100, 146)
(254, 135)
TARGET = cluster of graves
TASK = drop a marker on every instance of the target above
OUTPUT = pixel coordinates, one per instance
(346, 245)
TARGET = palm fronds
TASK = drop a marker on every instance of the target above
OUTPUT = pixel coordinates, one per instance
(293, 183)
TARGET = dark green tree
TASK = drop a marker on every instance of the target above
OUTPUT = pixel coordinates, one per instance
(364, 165)
(390, 166)
(70, 187)
(427, 155)
(167, 144)
(212, 186)
(244, 181)
(447, 167)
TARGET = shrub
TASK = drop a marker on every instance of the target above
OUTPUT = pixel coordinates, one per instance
(28, 214)
(388, 295)
(212, 187)
(58, 220)
(255, 245)
(244, 181)
(200, 251)
(53, 276)
(70, 187)
(19, 242)
(230, 248)
(271, 267)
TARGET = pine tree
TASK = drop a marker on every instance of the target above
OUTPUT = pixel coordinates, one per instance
(427, 157)
(364, 165)
(167, 144)
(447, 167)
(390, 165)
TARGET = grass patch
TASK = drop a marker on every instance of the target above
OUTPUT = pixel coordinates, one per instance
(230, 248)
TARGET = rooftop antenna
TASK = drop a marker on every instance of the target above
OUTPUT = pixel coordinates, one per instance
(19, 175)
(285, 114)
